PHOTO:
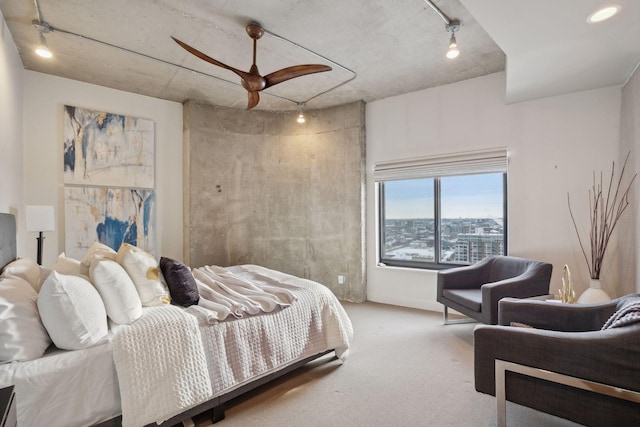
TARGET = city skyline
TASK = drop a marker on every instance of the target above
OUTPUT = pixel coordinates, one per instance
(462, 241)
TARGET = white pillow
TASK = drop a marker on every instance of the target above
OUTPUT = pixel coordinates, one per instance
(118, 292)
(72, 311)
(22, 335)
(68, 266)
(26, 269)
(145, 273)
(96, 251)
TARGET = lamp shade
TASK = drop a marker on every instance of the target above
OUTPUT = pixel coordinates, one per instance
(40, 218)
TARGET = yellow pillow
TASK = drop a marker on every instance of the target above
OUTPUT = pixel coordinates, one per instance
(96, 251)
(145, 273)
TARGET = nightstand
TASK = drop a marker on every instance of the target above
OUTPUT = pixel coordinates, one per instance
(8, 407)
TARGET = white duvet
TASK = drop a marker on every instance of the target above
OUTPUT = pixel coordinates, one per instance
(195, 357)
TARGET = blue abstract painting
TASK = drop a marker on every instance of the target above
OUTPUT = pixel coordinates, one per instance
(111, 216)
(106, 149)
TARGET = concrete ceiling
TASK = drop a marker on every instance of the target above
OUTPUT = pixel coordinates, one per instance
(551, 49)
(377, 48)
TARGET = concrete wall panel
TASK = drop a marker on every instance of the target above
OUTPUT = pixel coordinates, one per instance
(263, 189)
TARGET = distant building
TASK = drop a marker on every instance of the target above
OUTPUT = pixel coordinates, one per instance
(463, 240)
(471, 248)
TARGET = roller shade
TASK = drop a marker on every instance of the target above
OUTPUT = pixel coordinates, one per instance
(467, 163)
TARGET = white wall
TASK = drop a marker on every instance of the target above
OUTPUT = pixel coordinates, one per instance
(554, 145)
(629, 253)
(44, 100)
(11, 181)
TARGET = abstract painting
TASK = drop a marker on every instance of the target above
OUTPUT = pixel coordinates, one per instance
(110, 215)
(106, 149)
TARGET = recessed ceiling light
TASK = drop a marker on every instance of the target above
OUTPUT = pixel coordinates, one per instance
(603, 14)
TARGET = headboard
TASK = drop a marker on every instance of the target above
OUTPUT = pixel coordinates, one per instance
(7, 239)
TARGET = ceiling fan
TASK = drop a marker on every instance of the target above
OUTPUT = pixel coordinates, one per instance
(252, 81)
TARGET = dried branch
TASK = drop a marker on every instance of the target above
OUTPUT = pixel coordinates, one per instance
(604, 213)
(578, 233)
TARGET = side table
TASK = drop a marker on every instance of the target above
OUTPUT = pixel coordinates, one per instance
(8, 407)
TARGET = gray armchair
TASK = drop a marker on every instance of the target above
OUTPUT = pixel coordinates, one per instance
(476, 289)
(564, 339)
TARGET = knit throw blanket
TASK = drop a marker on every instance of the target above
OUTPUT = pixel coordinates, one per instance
(161, 365)
(626, 315)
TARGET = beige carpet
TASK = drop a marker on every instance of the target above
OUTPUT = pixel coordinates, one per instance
(405, 368)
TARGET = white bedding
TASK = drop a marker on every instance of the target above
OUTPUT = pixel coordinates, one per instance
(225, 293)
(65, 388)
(79, 388)
(238, 350)
(245, 349)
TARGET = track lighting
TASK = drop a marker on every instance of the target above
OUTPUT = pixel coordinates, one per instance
(453, 51)
(451, 25)
(300, 118)
(42, 49)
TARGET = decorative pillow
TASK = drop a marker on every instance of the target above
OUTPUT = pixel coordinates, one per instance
(68, 266)
(96, 251)
(118, 292)
(22, 335)
(181, 283)
(26, 269)
(72, 312)
(145, 273)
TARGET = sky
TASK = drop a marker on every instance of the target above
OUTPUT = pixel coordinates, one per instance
(470, 196)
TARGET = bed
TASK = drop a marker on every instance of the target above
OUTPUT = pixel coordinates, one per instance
(172, 362)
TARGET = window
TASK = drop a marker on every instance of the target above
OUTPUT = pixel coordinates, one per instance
(436, 217)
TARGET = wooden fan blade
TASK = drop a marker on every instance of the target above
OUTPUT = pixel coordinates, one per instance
(293, 72)
(254, 98)
(210, 60)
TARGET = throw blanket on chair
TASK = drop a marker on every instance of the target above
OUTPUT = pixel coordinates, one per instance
(161, 365)
(626, 315)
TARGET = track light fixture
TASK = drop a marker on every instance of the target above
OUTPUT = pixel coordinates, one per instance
(453, 51)
(300, 118)
(451, 25)
(42, 49)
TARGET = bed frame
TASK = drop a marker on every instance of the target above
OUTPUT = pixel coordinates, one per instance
(215, 405)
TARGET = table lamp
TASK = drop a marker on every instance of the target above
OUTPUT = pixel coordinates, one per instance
(40, 219)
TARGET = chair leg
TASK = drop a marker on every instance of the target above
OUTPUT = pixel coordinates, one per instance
(448, 321)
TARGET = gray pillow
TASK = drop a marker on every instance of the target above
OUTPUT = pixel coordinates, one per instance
(182, 286)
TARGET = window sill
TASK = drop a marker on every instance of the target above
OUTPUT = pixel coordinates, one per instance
(383, 266)
(433, 268)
